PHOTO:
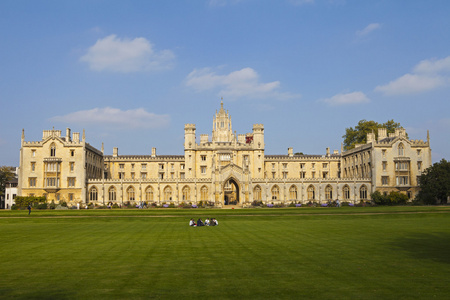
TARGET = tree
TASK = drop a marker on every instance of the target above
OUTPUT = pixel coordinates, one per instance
(434, 183)
(358, 135)
(6, 174)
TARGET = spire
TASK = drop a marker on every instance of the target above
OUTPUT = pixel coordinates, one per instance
(103, 148)
(84, 136)
(428, 136)
(23, 133)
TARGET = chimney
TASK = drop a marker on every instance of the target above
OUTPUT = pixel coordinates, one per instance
(370, 137)
(153, 152)
(328, 151)
(76, 137)
(68, 139)
(290, 151)
(115, 152)
(382, 133)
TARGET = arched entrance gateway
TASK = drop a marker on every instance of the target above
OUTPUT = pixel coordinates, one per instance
(231, 192)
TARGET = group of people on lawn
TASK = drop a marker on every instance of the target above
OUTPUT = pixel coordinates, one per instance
(212, 222)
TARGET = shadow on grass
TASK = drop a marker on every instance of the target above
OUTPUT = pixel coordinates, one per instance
(432, 246)
(43, 294)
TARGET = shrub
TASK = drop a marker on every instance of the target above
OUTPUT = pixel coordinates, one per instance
(42, 206)
(257, 203)
(52, 205)
(115, 205)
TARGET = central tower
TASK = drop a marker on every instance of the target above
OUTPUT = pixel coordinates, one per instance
(222, 131)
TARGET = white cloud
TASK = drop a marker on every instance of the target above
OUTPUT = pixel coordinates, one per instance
(108, 116)
(427, 75)
(125, 55)
(369, 28)
(237, 84)
(347, 99)
(411, 84)
(433, 66)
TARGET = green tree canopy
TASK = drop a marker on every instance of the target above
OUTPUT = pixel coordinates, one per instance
(434, 183)
(6, 173)
(358, 135)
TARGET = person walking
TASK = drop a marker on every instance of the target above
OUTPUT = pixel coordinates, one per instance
(29, 209)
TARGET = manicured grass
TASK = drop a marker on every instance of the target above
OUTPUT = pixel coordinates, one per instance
(257, 254)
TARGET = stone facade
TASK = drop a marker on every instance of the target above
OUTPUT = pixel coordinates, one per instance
(224, 169)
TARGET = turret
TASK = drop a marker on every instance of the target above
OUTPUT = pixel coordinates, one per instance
(189, 136)
(258, 136)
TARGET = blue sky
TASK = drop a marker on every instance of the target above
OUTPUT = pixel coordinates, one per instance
(132, 73)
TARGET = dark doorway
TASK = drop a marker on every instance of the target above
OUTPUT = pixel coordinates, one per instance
(231, 192)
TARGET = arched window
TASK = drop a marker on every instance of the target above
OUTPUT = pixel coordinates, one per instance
(130, 194)
(257, 193)
(204, 193)
(346, 191)
(112, 194)
(275, 192)
(329, 193)
(401, 150)
(167, 193)
(363, 192)
(186, 193)
(53, 149)
(93, 194)
(293, 192)
(149, 194)
(311, 193)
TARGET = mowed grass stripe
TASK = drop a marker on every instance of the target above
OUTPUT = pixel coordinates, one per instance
(357, 256)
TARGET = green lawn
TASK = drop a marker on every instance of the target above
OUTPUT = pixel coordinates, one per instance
(312, 253)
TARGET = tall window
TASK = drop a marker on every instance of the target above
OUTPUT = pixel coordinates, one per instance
(149, 194)
(293, 192)
(112, 194)
(167, 193)
(346, 191)
(130, 194)
(400, 150)
(52, 149)
(93, 194)
(328, 192)
(186, 193)
(257, 193)
(204, 193)
(311, 193)
(275, 192)
(363, 192)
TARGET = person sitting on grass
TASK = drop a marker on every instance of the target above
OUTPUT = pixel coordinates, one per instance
(207, 222)
(216, 222)
(200, 222)
(213, 222)
(192, 223)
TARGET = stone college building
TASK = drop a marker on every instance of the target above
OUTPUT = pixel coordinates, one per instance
(222, 169)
